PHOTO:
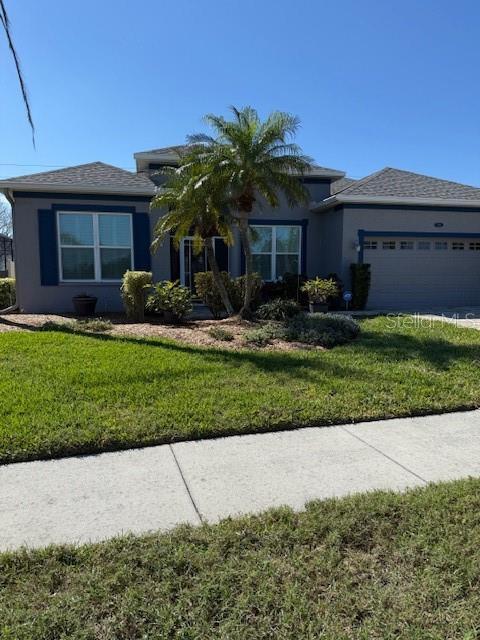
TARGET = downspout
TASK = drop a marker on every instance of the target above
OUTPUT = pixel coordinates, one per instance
(9, 196)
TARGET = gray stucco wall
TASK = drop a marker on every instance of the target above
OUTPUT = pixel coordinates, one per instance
(35, 298)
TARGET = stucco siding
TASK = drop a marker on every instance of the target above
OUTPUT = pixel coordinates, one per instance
(31, 295)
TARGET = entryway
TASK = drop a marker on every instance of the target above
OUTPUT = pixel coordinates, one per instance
(191, 263)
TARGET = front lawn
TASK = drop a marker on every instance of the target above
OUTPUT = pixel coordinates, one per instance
(375, 566)
(64, 393)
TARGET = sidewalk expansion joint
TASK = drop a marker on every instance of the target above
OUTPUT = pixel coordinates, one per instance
(385, 455)
(184, 480)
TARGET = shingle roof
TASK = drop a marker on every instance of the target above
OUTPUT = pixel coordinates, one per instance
(341, 185)
(405, 184)
(94, 175)
(162, 151)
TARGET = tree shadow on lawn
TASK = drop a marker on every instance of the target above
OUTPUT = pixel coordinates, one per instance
(370, 347)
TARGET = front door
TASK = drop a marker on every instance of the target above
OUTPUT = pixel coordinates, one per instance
(190, 264)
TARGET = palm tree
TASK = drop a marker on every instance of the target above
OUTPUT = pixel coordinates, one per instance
(192, 209)
(6, 27)
(248, 158)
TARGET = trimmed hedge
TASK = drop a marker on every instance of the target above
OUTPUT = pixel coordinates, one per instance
(7, 292)
(360, 276)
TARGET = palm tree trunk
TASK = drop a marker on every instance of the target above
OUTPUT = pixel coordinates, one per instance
(217, 277)
(245, 311)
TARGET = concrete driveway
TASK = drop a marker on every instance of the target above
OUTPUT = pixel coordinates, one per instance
(76, 500)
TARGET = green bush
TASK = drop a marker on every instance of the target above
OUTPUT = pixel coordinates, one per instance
(322, 329)
(208, 292)
(210, 296)
(7, 292)
(237, 291)
(262, 336)
(360, 277)
(92, 325)
(318, 329)
(219, 333)
(288, 287)
(171, 299)
(133, 290)
(320, 290)
(278, 309)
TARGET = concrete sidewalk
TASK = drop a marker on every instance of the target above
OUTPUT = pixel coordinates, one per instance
(96, 497)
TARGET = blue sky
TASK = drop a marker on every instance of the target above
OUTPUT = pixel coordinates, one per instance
(375, 82)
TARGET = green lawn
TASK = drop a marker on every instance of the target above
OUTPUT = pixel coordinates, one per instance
(63, 393)
(377, 566)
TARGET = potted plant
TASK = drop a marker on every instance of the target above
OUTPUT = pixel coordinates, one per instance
(84, 304)
(319, 290)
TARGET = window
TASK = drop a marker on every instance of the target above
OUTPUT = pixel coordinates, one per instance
(441, 245)
(389, 245)
(458, 246)
(424, 245)
(370, 245)
(474, 246)
(94, 246)
(276, 250)
(406, 245)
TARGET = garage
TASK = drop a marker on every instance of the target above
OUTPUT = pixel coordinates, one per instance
(415, 272)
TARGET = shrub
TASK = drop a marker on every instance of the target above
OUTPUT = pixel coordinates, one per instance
(319, 290)
(208, 292)
(318, 329)
(237, 291)
(7, 292)
(289, 287)
(278, 309)
(219, 333)
(95, 325)
(171, 299)
(262, 336)
(322, 329)
(133, 289)
(360, 276)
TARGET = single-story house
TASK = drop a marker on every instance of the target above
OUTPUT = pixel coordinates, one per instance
(77, 230)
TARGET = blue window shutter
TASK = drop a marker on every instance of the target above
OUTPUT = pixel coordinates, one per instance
(141, 241)
(47, 238)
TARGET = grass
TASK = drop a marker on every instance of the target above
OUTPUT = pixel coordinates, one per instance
(374, 566)
(63, 393)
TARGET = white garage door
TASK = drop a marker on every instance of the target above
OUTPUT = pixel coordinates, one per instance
(414, 273)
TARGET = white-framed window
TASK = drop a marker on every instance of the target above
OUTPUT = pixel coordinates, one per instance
(474, 246)
(94, 247)
(276, 250)
(458, 246)
(441, 245)
(370, 245)
(389, 245)
(424, 245)
(406, 245)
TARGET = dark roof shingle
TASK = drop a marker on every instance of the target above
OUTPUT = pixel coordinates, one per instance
(91, 175)
(405, 184)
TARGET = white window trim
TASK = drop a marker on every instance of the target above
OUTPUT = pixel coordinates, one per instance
(96, 246)
(274, 253)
